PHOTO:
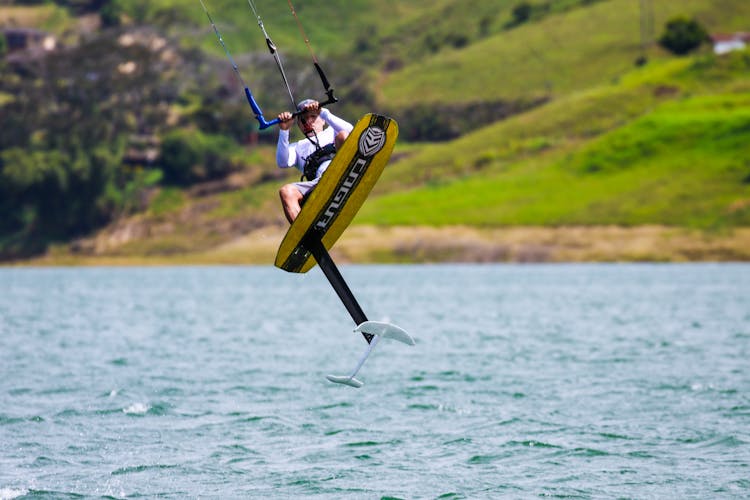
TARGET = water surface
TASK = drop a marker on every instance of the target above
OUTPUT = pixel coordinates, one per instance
(583, 381)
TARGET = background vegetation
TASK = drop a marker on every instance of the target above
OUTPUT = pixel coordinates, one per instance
(512, 113)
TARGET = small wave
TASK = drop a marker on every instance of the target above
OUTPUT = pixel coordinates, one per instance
(143, 409)
(359, 444)
(450, 496)
(580, 452)
(68, 412)
(461, 440)
(419, 390)
(532, 444)
(140, 468)
(739, 410)
(342, 404)
(725, 441)
(741, 484)
(5, 420)
(489, 425)
(240, 388)
(159, 409)
(423, 406)
(10, 493)
(136, 409)
(712, 440)
(367, 444)
(439, 407)
(252, 419)
(485, 459)
(42, 462)
(170, 391)
(611, 435)
(108, 411)
(54, 391)
(589, 452)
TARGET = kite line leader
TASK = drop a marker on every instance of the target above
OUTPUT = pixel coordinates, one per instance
(326, 84)
(257, 111)
(248, 94)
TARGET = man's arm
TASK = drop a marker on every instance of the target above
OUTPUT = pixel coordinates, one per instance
(338, 124)
(286, 155)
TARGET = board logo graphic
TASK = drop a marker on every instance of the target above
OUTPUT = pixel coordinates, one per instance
(371, 141)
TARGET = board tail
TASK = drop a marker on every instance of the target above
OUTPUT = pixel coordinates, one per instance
(376, 330)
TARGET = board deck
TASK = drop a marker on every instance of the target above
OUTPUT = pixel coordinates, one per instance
(341, 191)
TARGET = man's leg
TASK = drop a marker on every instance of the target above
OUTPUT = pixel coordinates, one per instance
(290, 200)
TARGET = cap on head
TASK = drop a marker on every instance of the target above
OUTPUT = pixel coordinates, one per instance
(301, 105)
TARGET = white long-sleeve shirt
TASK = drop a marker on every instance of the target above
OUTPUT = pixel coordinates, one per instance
(294, 154)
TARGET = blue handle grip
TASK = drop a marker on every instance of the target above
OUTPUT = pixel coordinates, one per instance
(258, 112)
(263, 124)
(253, 104)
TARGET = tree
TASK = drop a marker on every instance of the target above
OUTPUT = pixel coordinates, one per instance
(110, 13)
(522, 13)
(189, 156)
(682, 35)
(67, 121)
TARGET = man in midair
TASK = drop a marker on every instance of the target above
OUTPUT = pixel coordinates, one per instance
(311, 155)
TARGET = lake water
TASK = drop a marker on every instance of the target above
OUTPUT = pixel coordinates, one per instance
(583, 381)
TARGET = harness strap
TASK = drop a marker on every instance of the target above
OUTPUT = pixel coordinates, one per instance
(313, 162)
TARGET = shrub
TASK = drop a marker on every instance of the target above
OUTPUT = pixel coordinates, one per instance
(682, 35)
(522, 13)
(189, 156)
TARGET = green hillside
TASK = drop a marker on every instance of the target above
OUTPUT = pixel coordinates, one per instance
(559, 54)
(334, 28)
(667, 145)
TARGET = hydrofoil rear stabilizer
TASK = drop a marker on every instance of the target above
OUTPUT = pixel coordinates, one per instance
(378, 330)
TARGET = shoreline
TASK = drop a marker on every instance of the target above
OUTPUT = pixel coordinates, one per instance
(362, 244)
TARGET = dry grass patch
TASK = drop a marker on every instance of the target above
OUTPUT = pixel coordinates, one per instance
(422, 244)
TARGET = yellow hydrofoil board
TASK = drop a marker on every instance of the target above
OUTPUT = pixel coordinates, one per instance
(340, 193)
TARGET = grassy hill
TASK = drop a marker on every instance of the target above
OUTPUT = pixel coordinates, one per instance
(559, 54)
(666, 145)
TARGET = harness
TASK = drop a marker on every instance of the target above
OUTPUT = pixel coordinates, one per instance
(313, 162)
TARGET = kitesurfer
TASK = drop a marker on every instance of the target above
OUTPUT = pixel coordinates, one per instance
(311, 155)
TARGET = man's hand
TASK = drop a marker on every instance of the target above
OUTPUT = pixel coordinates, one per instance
(285, 120)
(312, 107)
